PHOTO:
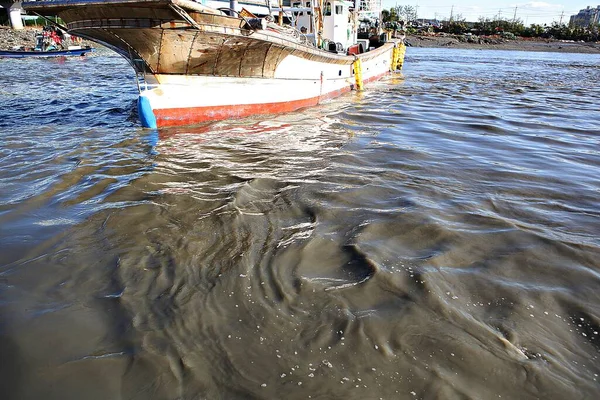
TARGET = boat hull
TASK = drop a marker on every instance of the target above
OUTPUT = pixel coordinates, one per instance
(196, 64)
(172, 100)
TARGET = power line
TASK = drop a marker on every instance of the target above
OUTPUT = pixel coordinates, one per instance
(520, 13)
(494, 11)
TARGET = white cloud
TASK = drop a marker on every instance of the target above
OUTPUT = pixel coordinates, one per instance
(542, 5)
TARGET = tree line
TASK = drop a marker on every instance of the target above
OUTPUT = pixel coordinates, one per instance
(406, 17)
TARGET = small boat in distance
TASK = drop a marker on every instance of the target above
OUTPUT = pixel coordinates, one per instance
(215, 60)
(45, 54)
(50, 42)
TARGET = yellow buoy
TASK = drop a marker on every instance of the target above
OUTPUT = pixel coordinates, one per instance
(398, 54)
(357, 65)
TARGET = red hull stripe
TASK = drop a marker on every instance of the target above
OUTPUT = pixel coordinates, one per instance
(194, 115)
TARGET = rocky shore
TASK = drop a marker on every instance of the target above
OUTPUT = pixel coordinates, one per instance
(497, 43)
(10, 38)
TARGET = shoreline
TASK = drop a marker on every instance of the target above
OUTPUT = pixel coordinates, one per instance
(496, 43)
(10, 38)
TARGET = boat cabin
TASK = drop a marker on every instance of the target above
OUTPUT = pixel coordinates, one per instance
(303, 16)
(346, 26)
(338, 21)
(340, 24)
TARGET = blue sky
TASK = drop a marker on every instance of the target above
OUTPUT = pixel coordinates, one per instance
(532, 12)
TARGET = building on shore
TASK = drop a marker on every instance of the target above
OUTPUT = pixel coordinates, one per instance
(586, 17)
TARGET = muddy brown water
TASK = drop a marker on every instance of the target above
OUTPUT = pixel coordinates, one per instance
(433, 237)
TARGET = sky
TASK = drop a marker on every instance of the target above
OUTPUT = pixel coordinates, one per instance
(533, 12)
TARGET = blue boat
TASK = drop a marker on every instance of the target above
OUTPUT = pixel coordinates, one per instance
(51, 42)
(49, 53)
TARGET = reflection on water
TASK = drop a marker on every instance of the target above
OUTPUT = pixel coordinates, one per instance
(432, 237)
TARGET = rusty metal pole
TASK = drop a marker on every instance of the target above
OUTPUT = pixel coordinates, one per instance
(320, 23)
(280, 12)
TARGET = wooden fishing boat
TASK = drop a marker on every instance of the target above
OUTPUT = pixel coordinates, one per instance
(196, 63)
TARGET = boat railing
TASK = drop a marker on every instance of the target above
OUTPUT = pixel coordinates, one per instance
(288, 31)
(139, 66)
(267, 23)
(252, 22)
(142, 83)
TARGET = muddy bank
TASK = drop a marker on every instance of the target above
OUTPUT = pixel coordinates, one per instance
(493, 43)
(10, 38)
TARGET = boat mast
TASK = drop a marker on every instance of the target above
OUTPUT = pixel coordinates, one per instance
(280, 12)
(313, 19)
(319, 22)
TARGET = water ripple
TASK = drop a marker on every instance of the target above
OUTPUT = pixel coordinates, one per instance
(413, 240)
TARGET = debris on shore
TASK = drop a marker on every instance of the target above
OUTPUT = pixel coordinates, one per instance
(11, 38)
(501, 43)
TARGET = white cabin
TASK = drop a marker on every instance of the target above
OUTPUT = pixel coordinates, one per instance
(338, 23)
(340, 19)
(304, 19)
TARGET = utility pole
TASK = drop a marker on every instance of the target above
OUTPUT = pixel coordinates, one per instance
(417, 12)
(515, 16)
(562, 14)
(451, 12)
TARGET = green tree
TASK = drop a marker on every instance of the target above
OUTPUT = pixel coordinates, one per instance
(559, 31)
(457, 25)
(484, 26)
(534, 30)
(385, 15)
